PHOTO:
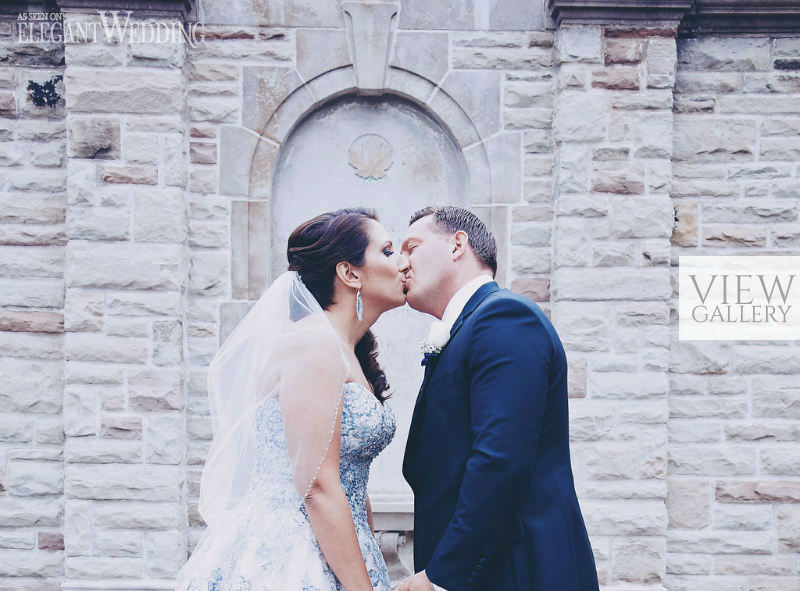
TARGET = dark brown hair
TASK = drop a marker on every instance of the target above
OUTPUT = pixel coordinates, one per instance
(457, 219)
(315, 248)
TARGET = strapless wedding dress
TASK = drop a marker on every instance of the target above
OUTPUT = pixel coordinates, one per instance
(269, 545)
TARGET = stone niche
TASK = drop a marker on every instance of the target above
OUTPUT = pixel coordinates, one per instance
(388, 154)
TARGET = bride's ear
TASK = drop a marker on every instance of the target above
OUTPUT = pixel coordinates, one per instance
(348, 275)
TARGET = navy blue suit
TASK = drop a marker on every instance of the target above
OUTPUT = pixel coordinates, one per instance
(488, 456)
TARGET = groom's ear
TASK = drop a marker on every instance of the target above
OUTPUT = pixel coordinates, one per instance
(348, 274)
(459, 244)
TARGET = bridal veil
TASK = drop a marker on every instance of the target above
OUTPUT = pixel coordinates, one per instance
(284, 347)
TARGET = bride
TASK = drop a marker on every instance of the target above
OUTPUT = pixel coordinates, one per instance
(298, 414)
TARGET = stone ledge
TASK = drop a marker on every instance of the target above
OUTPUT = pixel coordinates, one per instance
(600, 12)
(737, 16)
(696, 17)
(142, 8)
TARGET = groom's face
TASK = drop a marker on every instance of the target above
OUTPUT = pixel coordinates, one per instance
(427, 254)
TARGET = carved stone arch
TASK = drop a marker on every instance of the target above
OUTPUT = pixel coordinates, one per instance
(249, 157)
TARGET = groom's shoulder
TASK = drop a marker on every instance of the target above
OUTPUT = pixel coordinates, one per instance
(507, 303)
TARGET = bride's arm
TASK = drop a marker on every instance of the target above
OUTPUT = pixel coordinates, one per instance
(369, 517)
(332, 521)
(311, 403)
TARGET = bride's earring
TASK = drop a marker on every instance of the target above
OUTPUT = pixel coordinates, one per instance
(359, 304)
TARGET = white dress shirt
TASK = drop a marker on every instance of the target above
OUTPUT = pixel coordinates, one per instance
(456, 304)
(451, 313)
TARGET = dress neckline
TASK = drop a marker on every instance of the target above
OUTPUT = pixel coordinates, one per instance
(362, 385)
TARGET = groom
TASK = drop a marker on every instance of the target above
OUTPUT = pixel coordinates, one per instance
(488, 449)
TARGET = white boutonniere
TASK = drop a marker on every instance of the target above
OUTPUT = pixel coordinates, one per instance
(438, 336)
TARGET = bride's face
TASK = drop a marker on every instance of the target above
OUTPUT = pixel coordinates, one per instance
(382, 280)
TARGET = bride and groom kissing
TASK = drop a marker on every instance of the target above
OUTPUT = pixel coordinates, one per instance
(299, 412)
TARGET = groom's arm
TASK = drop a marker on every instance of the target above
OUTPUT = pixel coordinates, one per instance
(508, 363)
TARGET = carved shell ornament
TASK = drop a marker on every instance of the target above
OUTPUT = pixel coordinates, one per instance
(370, 155)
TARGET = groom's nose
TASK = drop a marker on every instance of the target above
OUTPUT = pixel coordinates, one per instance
(402, 262)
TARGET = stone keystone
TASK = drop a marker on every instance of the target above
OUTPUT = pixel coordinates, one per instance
(371, 35)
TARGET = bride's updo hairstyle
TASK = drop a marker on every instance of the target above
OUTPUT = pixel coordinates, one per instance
(314, 249)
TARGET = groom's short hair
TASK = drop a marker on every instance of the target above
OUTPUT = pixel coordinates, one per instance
(451, 219)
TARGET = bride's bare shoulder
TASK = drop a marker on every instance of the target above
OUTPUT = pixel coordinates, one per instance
(311, 335)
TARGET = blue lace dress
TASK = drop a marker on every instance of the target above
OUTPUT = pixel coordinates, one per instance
(272, 547)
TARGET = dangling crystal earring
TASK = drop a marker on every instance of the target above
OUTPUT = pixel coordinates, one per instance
(359, 304)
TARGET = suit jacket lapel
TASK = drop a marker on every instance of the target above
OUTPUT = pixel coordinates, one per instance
(480, 295)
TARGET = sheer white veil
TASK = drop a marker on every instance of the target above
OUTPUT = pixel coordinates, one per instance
(284, 348)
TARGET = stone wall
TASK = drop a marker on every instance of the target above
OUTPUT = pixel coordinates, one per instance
(734, 459)
(33, 236)
(135, 229)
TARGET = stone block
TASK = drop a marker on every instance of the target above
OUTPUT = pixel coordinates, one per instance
(101, 567)
(661, 61)
(124, 90)
(714, 140)
(623, 50)
(616, 78)
(528, 95)
(160, 55)
(702, 460)
(720, 54)
(749, 565)
(628, 385)
(690, 431)
(760, 105)
(642, 217)
(29, 512)
(137, 515)
(720, 541)
(97, 223)
(734, 236)
(208, 273)
(579, 44)
(155, 389)
(788, 526)
(123, 265)
(117, 543)
(31, 479)
(530, 260)
(779, 149)
(237, 146)
(121, 426)
(639, 560)
(91, 450)
(501, 58)
(28, 385)
(94, 137)
(141, 148)
(610, 517)
(129, 174)
(588, 330)
(689, 564)
(418, 14)
(477, 93)
(623, 178)
(203, 152)
(265, 88)
(30, 563)
(159, 215)
(738, 516)
(611, 284)
(123, 481)
(581, 117)
(754, 491)
(163, 439)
